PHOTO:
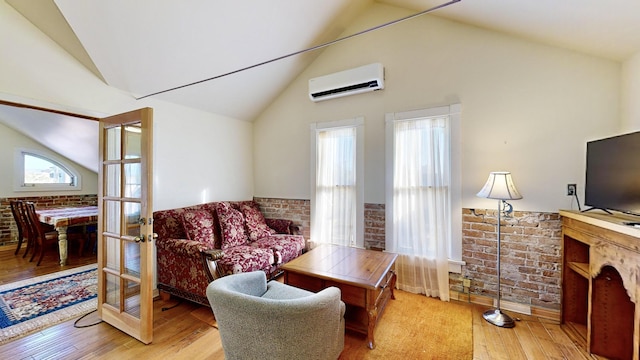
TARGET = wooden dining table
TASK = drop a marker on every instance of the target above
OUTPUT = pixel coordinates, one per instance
(63, 218)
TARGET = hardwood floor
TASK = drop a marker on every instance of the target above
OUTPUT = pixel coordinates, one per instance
(179, 333)
(15, 267)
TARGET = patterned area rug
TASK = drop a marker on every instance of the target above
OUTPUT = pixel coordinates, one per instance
(34, 304)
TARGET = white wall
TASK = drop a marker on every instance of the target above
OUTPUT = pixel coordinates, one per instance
(526, 107)
(9, 141)
(198, 157)
(631, 94)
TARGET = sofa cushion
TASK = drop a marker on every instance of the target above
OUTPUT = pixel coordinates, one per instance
(254, 220)
(231, 226)
(244, 258)
(198, 226)
(286, 247)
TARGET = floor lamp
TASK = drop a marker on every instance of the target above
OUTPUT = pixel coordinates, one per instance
(500, 186)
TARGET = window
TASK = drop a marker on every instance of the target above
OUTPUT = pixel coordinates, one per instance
(337, 207)
(37, 171)
(421, 178)
(423, 191)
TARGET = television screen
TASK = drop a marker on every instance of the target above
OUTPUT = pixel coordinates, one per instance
(613, 173)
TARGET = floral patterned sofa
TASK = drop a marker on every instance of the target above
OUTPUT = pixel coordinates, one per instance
(198, 244)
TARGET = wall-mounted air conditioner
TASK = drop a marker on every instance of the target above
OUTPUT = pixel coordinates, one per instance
(349, 82)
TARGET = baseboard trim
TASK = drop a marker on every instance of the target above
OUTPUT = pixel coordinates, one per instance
(549, 314)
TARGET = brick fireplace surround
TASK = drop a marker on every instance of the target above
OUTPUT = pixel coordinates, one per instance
(531, 250)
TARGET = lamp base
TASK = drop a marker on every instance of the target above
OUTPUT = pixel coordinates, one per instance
(498, 318)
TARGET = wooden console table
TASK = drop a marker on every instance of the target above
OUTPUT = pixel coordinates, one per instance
(600, 270)
(365, 278)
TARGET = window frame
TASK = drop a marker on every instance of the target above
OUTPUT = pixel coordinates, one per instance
(453, 111)
(19, 183)
(315, 128)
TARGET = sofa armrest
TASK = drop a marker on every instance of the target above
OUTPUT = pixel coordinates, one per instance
(184, 247)
(210, 259)
(281, 226)
(213, 254)
(295, 229)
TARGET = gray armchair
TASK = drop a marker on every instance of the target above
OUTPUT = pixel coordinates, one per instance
(269, 320)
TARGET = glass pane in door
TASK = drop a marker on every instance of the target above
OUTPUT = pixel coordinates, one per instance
(132, 259)
(132, 141)
(132, 180)
(132, 218)
(132, 298)
(112, 185)
(113, 142)
(112, 216)
(112, 246)
(113, 290)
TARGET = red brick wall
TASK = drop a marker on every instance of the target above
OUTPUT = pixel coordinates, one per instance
(530, 256)
(374, 226)
(8, 229)
(530, 247)
(300, 212)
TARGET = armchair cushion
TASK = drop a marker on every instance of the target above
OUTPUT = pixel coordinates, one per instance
(255, 222)
(198, 225)
(232, 226)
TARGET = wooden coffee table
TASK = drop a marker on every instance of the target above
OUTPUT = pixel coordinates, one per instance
(366, 279)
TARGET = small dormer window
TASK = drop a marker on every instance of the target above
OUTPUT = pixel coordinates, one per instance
(37, 171)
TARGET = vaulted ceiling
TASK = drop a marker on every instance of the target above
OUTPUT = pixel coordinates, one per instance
(145, 47)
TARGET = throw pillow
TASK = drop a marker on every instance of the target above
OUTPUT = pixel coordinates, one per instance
(256, 225)
(231, 225)
(198, 225)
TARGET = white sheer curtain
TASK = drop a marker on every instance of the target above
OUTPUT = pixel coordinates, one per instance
(335, 208)
(421, 205)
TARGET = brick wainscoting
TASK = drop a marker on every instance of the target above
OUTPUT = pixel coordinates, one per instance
(300, 212)
(374, 226)
(8, 229)
(530, 256)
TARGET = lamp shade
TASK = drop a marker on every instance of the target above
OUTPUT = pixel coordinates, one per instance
(500, 186)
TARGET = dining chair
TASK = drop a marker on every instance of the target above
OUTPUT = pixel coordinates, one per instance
(39, 237)
(17, 210)
(43, 237)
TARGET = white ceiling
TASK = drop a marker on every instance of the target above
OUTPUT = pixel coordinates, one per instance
(71, 137)
(146, 46)
(605, 28)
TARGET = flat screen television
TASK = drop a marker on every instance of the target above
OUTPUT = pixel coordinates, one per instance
(613, 174)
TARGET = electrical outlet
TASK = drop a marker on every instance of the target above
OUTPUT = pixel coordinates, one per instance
(571, 189)
(466, 282)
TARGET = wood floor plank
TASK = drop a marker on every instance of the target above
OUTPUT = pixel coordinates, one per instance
(495, 343)
(512, 347)
(545, 341)
(480, 348)
(530, 345)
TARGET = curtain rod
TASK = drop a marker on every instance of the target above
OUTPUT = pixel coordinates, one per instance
(306, 50)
